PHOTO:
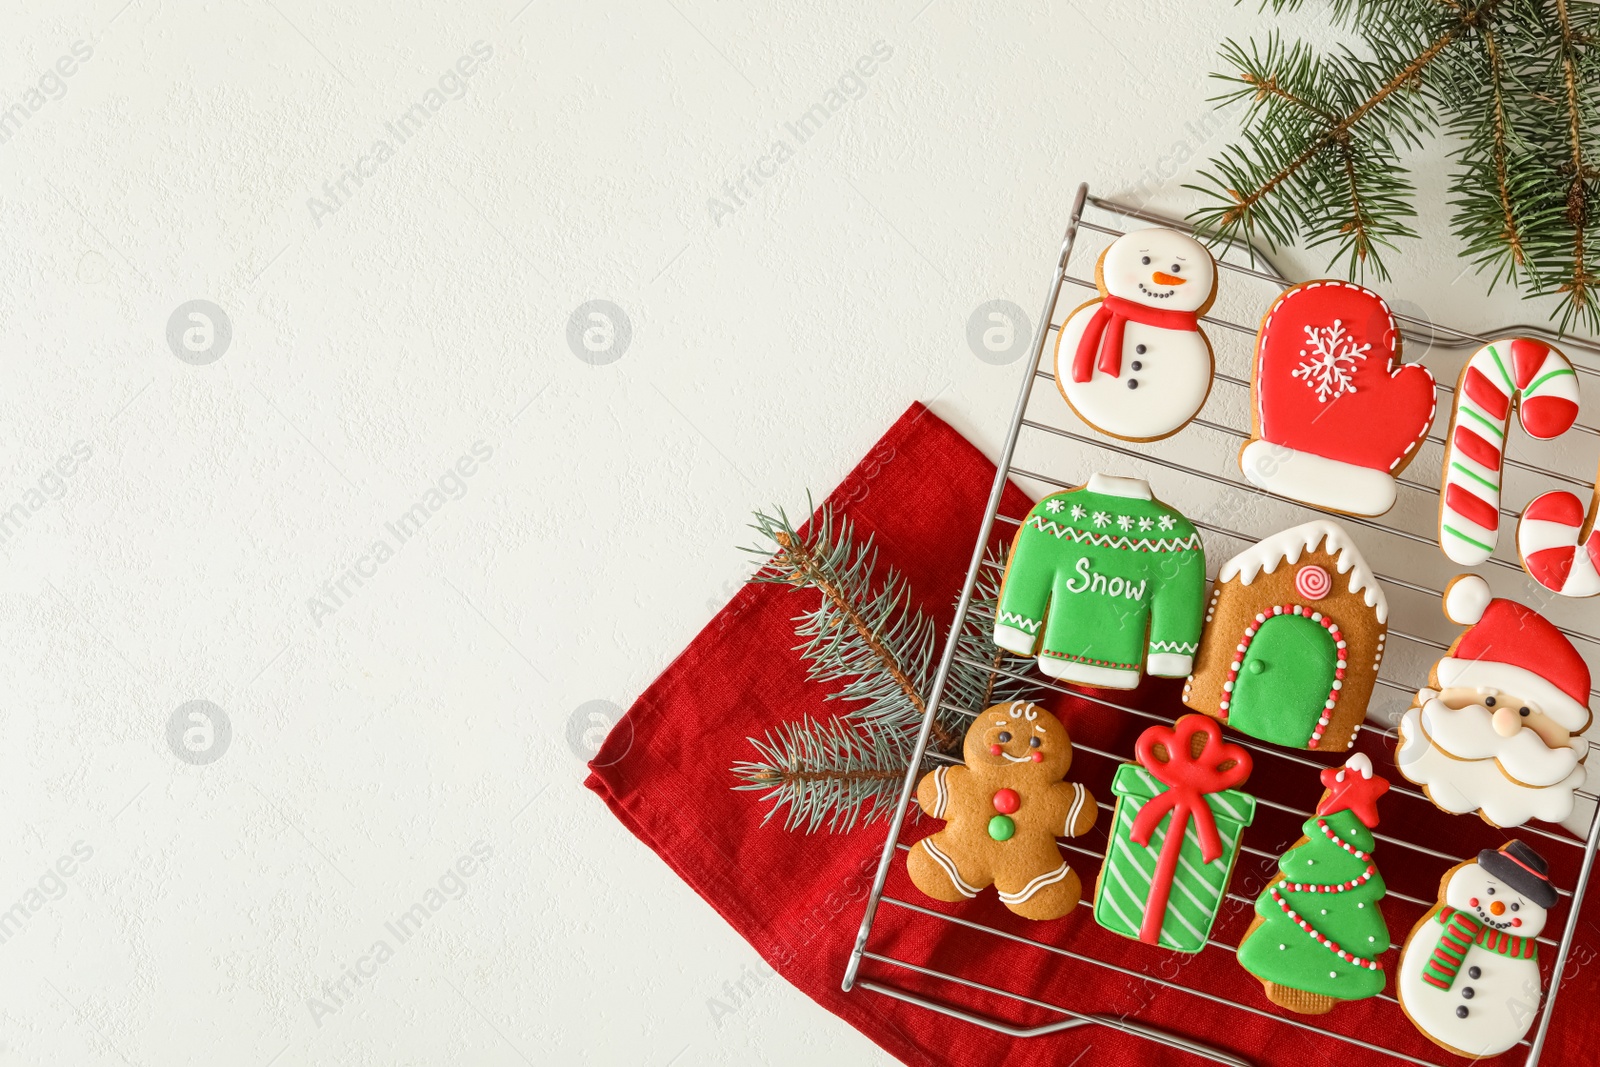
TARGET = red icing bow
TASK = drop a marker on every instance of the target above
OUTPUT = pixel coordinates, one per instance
(1188, 778)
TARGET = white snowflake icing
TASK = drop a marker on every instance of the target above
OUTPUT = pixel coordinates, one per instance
(1102, 519)
(1145, 524)
(1167, 522)
(1077, 511)
(1330, 361)
(1124, 523)
(1053, 506)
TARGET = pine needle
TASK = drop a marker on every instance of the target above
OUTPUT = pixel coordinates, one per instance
(866, 633)
(1514, 84)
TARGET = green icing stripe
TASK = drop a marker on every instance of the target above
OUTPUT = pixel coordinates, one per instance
(1486, 483)
(1493, 428)
(1533, 386)
(1453, 532)
(1494, 354)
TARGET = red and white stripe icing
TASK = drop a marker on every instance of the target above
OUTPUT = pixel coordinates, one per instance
(1559, 547)
(1540, 382)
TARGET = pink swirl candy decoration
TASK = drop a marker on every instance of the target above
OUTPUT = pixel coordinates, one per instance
(1312, 582)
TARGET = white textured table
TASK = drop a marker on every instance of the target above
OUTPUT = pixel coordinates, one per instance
(404, 523)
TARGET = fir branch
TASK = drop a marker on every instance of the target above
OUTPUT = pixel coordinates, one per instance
(1580, 284)
(842, 771)
(1500, 151)
(826, 773)
(1517, 81)
(982, 673)
(866, 633)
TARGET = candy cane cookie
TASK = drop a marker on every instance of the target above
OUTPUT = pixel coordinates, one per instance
(1559, 545)
(1528, 374)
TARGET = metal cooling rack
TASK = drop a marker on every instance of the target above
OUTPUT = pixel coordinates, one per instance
(1058, 425)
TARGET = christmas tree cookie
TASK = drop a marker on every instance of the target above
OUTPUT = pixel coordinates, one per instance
(1318, 930)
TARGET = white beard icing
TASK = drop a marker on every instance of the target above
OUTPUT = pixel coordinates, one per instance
(1478, 783)
(1468, 734)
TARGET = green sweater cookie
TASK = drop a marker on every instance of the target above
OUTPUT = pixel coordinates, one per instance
(1103, 581)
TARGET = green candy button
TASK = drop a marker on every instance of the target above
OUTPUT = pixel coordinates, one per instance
(1001, 827)
(1255, 666)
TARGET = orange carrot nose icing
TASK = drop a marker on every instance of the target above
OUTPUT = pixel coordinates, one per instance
(1161, 278)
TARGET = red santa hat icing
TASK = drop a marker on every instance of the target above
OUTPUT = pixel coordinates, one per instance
(1515, 649)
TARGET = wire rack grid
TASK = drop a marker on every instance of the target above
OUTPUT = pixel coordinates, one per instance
(1058, 425)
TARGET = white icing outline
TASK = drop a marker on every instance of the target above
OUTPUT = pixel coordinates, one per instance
(1287, 546)
(949, 865)
(1022, 895)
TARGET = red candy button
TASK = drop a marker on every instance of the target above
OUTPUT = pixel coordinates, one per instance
(1006, 801)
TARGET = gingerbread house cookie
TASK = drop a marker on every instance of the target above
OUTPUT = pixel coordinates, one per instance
(1294, 636)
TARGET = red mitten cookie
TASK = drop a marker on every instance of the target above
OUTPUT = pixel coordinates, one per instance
(1336, 416)
(1004, 810)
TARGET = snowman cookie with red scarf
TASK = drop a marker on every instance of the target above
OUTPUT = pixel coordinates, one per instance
(1134, 363)
(1469, 971)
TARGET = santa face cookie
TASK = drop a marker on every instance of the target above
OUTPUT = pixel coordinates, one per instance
(1469, 971)
(1134, 364)
(1336, 416)
(1496, 731)
(1003, 810)
(1294, 637)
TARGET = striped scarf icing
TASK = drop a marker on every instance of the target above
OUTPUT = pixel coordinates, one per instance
(1461, 932)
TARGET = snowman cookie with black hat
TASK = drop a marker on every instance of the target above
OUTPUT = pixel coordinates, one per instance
(1134, 363)
(1469, 971)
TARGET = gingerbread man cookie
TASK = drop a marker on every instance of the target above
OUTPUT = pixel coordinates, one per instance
(1003, 811)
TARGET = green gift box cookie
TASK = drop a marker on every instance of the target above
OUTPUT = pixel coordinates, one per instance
(1157, 888)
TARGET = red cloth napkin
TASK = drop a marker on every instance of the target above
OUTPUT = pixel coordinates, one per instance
(799, 899)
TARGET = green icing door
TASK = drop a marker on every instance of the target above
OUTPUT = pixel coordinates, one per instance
(1283, 681)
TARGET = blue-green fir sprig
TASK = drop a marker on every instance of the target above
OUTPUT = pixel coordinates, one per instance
(866, 633)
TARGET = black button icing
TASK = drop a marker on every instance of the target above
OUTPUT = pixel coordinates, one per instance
(1467, 993)
(1474, 972)
(1461, 1012)
(1133, 383)
(1137, 365)
(1139, 349)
